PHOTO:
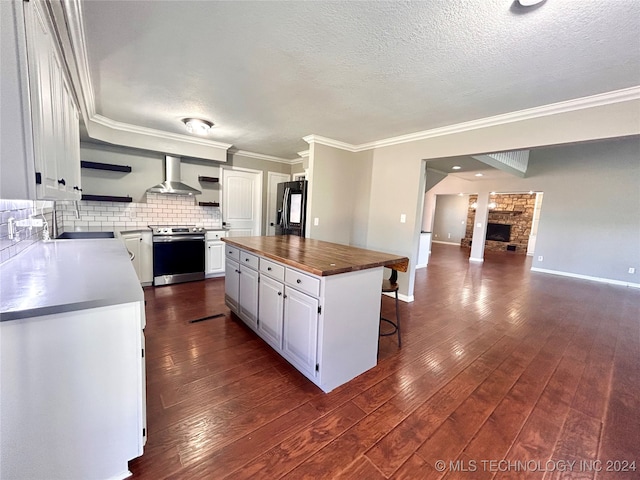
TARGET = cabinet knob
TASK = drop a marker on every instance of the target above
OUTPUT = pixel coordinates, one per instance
(269, 269)
(279, 293)
(298, 281)
(246, 259)
(284, 296)
(62, 181)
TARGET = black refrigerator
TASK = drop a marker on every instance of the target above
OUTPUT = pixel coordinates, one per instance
(291, 209)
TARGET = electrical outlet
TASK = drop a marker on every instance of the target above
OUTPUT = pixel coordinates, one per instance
(632, 270)
(30, 222)
(448, 235)
(540, 258)
(316, 221)
(403, 218)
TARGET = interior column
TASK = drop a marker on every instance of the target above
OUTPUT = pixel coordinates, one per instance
(480, 228)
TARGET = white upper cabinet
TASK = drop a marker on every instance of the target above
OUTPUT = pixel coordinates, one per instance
(47, 151)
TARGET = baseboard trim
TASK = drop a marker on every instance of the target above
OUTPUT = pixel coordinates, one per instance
(401, 297)
(586, 277)
(476, 260)
(446, 243)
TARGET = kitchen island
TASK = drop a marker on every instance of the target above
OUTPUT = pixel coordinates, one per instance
(316, 303)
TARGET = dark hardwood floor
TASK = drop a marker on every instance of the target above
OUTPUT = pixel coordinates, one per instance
(503, 373)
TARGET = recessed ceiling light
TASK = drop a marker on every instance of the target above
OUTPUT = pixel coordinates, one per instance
(456, 167)
(197, 125)
(479, 175)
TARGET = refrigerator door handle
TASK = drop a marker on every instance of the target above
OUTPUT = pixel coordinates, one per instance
(285, 208)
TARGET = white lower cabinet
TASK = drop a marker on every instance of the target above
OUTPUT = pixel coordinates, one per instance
(139, 244)
(73, 402)
(214, 260)
(214, 263)
(271, 311)
(248, 302)
(300, 330)
(232, 284)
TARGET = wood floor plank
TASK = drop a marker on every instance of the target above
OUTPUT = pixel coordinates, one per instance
(341, 452)
(287, 455)
(497, 361)
(397, 446)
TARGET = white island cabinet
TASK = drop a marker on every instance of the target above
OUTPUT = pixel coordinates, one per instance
(72, 402)
(316, 303)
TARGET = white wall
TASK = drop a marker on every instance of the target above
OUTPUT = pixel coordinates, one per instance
(450, 219)
(339, 195)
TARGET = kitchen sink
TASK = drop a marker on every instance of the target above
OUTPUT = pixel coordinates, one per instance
(80, 235)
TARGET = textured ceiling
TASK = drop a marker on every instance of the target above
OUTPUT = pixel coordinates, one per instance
(269, 73)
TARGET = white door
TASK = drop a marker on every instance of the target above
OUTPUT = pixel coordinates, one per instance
(273, 179)
(242, 201)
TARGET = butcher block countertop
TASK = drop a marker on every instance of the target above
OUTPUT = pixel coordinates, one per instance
(315, 256)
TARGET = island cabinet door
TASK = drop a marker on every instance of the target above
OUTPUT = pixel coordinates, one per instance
(300, 332)
(248, 303)
(232, 285)
(271, 311)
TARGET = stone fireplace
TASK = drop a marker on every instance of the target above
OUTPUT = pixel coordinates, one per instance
(512, 209)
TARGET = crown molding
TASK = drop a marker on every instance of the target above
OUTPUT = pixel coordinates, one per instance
(161, 134)
(329, 142)
(593, 101)
(262, 156)
(303, 154)
(72, 10)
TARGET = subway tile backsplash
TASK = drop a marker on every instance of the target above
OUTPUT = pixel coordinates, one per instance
(98, 216)
(115, 216)
(23, 237)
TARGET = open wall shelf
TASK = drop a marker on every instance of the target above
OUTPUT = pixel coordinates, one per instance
(202, 178)
(105, 166)
(107, 198)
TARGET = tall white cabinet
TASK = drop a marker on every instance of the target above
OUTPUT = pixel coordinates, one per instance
(42, 147)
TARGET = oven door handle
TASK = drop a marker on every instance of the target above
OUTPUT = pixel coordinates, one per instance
(176, 238)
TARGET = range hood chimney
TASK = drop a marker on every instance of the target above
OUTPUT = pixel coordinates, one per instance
(172, 184)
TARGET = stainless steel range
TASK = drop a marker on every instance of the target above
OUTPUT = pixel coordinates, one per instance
(178, 254)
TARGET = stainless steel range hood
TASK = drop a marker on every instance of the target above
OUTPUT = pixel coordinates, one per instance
(172, 184)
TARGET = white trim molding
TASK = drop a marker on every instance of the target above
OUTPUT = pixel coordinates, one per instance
(608, 98)
(261, 156)
(586, 277)
(401, 297)
(446, 243)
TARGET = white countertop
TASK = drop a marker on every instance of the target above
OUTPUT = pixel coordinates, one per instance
(67, 275)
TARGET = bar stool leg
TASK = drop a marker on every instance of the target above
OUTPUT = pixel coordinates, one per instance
(398, 321)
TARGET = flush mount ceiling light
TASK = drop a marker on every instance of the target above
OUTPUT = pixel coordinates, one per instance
(456, 167)
(529, 3)
(197, 125)
(479, 175)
